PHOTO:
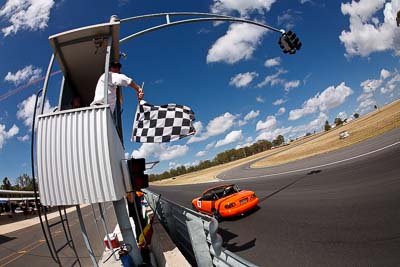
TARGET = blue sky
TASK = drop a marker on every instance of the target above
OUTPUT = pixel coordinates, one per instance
(234, 76)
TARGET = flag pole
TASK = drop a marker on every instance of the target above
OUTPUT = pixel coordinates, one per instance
(134, 119)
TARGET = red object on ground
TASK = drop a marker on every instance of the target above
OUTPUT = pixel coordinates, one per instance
(114, 241)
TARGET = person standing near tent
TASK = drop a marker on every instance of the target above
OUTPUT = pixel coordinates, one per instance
(115, 79)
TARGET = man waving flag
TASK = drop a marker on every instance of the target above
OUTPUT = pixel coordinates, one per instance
(158, 124)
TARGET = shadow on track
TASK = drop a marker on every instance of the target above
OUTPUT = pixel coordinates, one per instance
(288, 185)
(227, 236)
(5, 239)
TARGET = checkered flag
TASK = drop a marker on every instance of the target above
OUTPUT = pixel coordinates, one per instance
(158, 124)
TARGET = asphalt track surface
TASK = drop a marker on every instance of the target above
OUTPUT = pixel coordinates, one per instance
(337, 209)
(27, 247)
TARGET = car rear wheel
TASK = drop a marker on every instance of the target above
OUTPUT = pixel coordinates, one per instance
(216, 215)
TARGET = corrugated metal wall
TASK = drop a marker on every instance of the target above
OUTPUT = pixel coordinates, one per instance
(79, 157)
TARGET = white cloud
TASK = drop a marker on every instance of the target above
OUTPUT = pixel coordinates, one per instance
(210, 145)
(23, 138)
(220, 124)
(259, 99)
(392, 84)
(4, 134)
(190, 164)
(305, 80)
(230, 138)
(248, 142)
(29, 73)
(291, 84)
(160, 151)
(314, 125)
(385, 90)
(215, 127)
(268, 124)
(328, 99)
(371, 86)
(279, 102)
(172, 164)
(171, 152)
(26, 108)
(342, 115)
(272, 134)
(243, 7)
(275, 79)
(206, 149)
(201, 153)
(281, 111)
(364, 97)
(198, 125)
(237, 44)
(385, 74)
(122, 3)
(243, 79)
(251, 115)
(289, 18)
(25, 15)
(367, 34)
(146, 150)
(272, 79)
(272, 62)
(365, 106)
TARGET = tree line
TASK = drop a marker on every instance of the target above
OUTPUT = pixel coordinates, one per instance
(23, 183)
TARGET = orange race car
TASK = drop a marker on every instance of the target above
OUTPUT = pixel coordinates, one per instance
(225, 201)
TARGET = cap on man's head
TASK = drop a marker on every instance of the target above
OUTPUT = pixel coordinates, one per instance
(115, 64)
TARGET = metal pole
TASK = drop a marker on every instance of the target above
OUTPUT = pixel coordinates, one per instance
(126, 231)
(170, 14)
(105, 227)
(97, 225)
(231, 19)
(46, 82)
(106, 67)
(85, 236)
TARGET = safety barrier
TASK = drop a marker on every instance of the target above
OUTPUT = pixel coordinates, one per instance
(193, 233)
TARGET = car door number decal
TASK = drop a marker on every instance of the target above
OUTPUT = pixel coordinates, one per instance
(199, 203)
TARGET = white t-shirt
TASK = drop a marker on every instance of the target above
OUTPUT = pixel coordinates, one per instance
(114, 80)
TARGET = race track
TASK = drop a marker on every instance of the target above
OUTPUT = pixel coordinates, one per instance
(336, 209)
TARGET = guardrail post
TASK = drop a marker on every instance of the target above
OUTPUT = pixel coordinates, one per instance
(216, 239)
(199, 243)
